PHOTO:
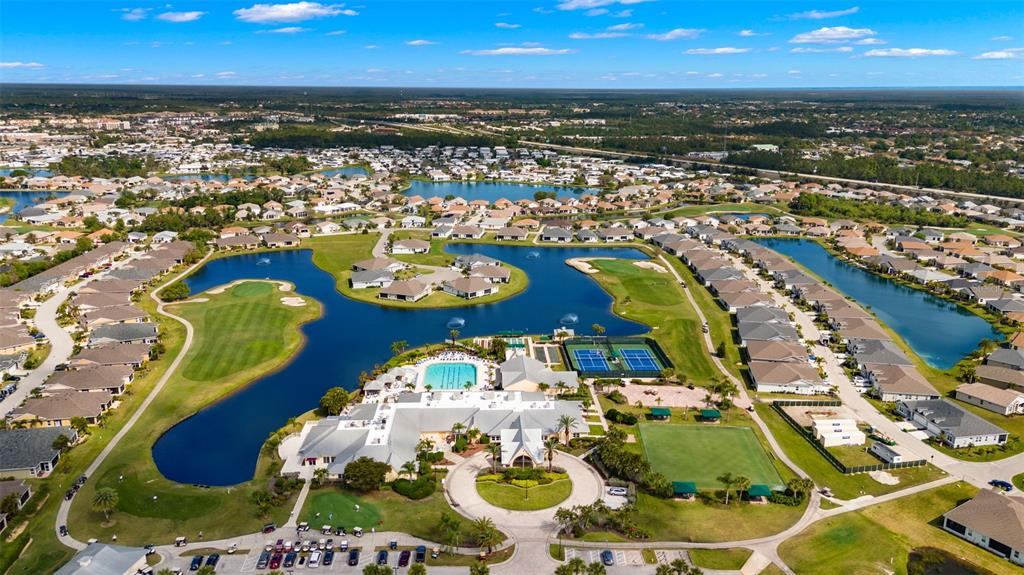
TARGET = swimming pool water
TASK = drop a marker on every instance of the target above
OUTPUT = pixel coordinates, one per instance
(449, 376)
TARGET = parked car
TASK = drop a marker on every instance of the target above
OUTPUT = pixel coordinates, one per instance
(403, 558)
(269, 528)
(353, 557)
(275, 560)
(343, 546)
(197, 562)
(264, 561)
(382, 557)
(289, 559)
(63, 530)
(421, 554)
(608, 558)
(1000, 484)
(212, 560)
(619, 491)
(314, 559)
(328, 558)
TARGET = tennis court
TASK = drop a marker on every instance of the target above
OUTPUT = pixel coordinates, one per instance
(701, 454)
(639, 360)
(590, 360)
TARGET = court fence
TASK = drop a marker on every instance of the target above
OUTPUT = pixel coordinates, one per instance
(778, 406)
(608, 344)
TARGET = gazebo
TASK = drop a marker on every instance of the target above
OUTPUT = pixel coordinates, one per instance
(660, 413)
(710, 415)
(759, 493)
(684, 489)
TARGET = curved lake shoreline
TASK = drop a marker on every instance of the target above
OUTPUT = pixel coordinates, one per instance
(352, 336)
(940, 332)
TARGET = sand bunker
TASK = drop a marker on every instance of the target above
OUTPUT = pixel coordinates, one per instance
(884, 477)
(651, 266)
(293, 301)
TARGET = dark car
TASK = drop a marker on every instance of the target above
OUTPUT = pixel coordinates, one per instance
(275, 560)
(1000, 484)
(269, 528)
(63, 530)
(353, 557)
(264, 560)
(339, 530)
(289, 559)
(403, 558)
(197, 562)
(382, 557)
(421, 554)
(328, 558)
(212, 560)
(607, 558)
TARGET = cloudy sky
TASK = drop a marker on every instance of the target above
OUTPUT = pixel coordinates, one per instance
(516, 43)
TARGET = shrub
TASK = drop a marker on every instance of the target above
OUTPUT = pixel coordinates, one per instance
(419, 489)
(617, 397)
(489, 478)
(616, 416)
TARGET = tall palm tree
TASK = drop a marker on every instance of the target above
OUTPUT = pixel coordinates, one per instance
(741, 484)
(457, 429)
(409, 469)
(105, 500)
(495, 450)
(565, 425)
(727, 480)
(550, 444)
(399, 347)
(487, 535)
(453, 334)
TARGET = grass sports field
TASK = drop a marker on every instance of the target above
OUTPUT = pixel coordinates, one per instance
(701, 454)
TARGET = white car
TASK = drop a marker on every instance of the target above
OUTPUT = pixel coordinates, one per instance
(314, 560)
(618, 491)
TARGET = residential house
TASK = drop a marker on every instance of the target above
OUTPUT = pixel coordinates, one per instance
(951, 424)
(992, 521)
(26, 453)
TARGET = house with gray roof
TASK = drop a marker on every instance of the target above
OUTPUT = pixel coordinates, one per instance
(1008, 358)
(767, 332)
(103, 559)
(471, 261)
(877, 351)
(365, 279)
(123, 333)
(524, 373)
(951, 424)
(556, 235)
(29, 452)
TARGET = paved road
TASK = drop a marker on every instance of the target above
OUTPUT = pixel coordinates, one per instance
(65, 505)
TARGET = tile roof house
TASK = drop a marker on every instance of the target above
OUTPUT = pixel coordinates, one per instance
(996, 399)
(58, 409)
(29, 452)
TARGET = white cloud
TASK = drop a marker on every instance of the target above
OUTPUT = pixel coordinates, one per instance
(793, 72)
(293, 12)
(336, 33)
(519, 51)
(1002, 38)
(870, 42)
(181, 16)
(625, 26)
(285, 30)
(759, 75)
(597, 12)
(420, 42)
(623, 14)
(908, 52)
(832, 35)
(807, 50)
(507, 25)
(1007, 54)
(750, 33)
(717, 51)
(7, 65)
(591, 4)
(370, 47)
(596, 36)
(822, 15)
(716, 75)
(676, 34)
(226, 74)
(133, 14)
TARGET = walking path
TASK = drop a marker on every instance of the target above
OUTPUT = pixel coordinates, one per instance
(65, 505)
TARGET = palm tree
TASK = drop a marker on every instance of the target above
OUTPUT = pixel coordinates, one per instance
(453, 334)
(468, 385)
(565, 425)
(399, 347)
(319, 476)
(727, 480)
(409, 469)
(472, 434)
(741, 484)
(598, 329)
(596, 568)
(495, 450)
(105, 500)
(549, 450)
(457, 429)
(487, 535)
(576, 565)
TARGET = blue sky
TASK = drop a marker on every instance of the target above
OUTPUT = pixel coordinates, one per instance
(515, 44)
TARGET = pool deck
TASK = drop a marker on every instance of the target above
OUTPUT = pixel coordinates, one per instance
(485, 370)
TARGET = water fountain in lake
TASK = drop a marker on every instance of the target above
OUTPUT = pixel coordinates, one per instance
(569, 319)
(263, 262)
(456, 323)
(533, 255)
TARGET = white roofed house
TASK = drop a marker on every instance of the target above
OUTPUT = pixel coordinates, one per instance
(410, 246)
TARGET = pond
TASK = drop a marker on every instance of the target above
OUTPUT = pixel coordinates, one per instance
(942, 333)
(23, 199)
(32, 172)
(352, 337)
(490, 191)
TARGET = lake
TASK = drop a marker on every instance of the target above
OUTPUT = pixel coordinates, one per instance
(33, 172)
(23, 199)
(942, 333)
(490, 191)
(352, 337)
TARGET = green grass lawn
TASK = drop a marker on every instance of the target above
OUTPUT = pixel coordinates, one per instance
(247, 320)
(674, 520)
(655, 299)
(702, 453)
(725, 559)
(385, 510)
(520, 499)
(826, 475)
(879, 538)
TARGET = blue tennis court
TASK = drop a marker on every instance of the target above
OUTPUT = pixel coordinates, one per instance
(590, 360)
(639, 360)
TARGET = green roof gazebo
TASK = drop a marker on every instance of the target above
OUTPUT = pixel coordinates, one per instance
(710, 414)
(759, 490)
(661, 413)
(684, 489)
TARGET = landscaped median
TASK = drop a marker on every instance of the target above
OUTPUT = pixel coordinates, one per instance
(526, 489)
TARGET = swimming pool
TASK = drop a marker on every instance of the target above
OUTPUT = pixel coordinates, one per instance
(449, 376)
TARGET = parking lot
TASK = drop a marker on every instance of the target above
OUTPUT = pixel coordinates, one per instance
(247, 563)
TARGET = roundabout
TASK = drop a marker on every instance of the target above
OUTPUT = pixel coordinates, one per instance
(525, 494)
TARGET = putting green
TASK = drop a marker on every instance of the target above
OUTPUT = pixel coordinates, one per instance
(702, 453)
